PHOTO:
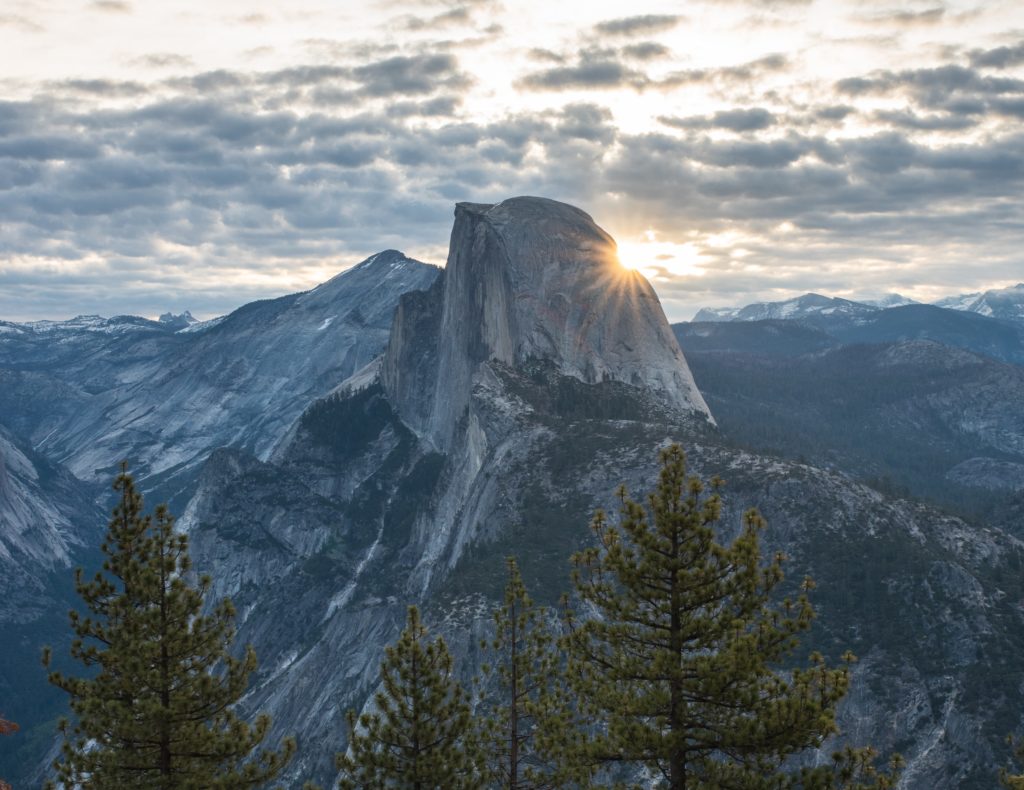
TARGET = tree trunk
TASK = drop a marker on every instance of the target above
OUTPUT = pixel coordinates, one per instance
(513, 773)
(165, 676)
(677, 761)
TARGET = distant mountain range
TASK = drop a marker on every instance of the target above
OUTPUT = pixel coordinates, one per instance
(1004, 303)
(915, 397)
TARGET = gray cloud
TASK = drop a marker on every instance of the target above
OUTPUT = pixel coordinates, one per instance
(907, 119)
(163, 60)
(638, 25)
(835, 112)
(459, 15)
(101, 87)
(229, 184)
(738, 120)
(112, 6)
(410, 75)
(592, 71)
(440, 106)
(998, 58)
(1013, 108)
(946, 98)
(931, 86)
(586, 122)
(907, 17)
(183, 179)
(48, 147)
(646, 50)
(743, 72)
(595, 68)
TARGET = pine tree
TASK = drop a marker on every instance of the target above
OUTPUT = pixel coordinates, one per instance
(420, 735)
(529, 716)
(156, 708)
(680, 664)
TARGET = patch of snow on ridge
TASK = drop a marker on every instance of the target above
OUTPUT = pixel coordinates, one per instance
(889, 300)
(202, 326)
(961, 302)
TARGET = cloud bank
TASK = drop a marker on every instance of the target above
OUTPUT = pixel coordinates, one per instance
(752, 177)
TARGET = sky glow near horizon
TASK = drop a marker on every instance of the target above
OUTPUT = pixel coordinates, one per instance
(199, 155)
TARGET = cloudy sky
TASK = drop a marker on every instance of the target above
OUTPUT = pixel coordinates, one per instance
(203, 153)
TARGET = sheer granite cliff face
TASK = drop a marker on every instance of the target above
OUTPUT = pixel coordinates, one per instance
(530, 279)
(515, 394)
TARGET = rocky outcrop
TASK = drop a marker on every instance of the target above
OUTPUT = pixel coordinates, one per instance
(494, 424)
(530, 279)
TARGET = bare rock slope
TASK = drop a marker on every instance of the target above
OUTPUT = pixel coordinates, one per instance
(133, 389)
(497, 419)
(530, 279)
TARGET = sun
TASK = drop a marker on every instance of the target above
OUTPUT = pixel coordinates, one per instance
(658, 259)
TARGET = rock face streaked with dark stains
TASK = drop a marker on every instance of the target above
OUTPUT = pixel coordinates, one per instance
(507, 398)
(489, 428)
(529, 280)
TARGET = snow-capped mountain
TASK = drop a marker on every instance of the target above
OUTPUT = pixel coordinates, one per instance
(1006, 303)
(1003, 303)
(810, 304)
(889, 300)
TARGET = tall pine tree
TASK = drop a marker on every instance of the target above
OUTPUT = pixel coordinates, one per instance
(680, 663)
(528, 720)
(156, 709)
(420, 735)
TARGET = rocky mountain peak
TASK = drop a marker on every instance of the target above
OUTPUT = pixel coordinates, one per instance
(386, 271)
(384, 258)
(809, 304)
(530, 279)
(176, 322)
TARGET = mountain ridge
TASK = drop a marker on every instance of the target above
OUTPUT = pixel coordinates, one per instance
(1002, 303)
(499, 409)
(163, 399)
(531, 451)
